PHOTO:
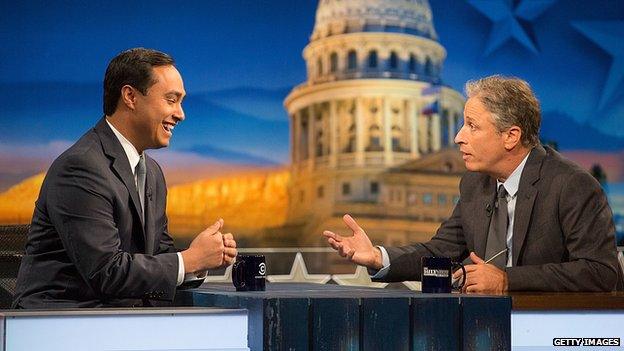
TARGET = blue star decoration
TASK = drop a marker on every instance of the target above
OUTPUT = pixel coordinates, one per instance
(511, 20)
(609, 36)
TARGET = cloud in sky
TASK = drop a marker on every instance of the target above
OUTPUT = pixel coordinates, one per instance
(47, 150)
(20, 161)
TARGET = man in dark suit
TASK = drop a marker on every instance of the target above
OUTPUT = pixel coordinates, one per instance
(99, 231)
(543, 221)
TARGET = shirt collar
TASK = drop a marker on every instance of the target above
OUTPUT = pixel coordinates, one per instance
(513, 182)
(131, 151)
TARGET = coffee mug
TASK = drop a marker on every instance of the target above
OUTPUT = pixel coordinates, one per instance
(249, 273)
(437, 273)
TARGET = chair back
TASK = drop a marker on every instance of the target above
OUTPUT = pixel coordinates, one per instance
(12, 249)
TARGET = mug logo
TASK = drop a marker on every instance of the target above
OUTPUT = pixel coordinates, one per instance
(262, 268)
(438, 273)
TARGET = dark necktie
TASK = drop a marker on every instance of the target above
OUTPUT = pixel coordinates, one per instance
(140, 173)
(497, 233)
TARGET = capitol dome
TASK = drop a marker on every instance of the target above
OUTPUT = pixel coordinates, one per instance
(396, 16)
(374, 39)
(373, 101)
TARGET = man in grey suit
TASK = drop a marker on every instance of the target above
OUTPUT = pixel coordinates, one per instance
(99, 231)
(547, 219)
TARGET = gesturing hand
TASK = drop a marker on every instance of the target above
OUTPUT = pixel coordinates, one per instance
(357, 248)
(207, 250)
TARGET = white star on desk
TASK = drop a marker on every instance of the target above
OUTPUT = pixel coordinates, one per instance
(413, 285)
(299, 274)
(225, 278)
(359, 278)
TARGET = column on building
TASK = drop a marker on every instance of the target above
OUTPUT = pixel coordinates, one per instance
(311, 137)
(386, 119)
(359, 131)
(412, 120)
(295, 130)
(333, 134)
(457, 117)
(436, 132)
(451, 127)
(423, 123)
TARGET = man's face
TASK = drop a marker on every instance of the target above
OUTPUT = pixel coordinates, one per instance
(160, 109)
(480, 143)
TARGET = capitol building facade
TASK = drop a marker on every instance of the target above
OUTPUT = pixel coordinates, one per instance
(372, 128)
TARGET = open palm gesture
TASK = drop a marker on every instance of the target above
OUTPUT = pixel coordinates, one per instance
(357, 248)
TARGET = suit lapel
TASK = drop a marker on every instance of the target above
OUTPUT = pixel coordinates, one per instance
(120, 166)
(484, 201)
(149, 208)
(526, 199)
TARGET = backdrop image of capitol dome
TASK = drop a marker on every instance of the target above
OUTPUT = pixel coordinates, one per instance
(372, 127)
(293, 124)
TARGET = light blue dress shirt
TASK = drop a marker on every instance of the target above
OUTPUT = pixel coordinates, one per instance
(511, 185)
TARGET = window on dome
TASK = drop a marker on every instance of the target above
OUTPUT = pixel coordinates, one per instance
(412, 63)
(396, 144)
(444, 126)
(442, 198)
(346, 189)
(428, 67)
(372, 59)
(351, 60)
(374, 188)
(333, 62)
(374, 143)
(394, 60)
(351, 140)
(319, 66)
(427, 198)
(303, 142)
(350, 145)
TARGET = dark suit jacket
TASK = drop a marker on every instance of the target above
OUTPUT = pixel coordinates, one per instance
(89, 244)
(563, 234)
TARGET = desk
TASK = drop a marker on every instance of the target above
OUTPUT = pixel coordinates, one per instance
(537, 301)
(331, 317)
(129, 329)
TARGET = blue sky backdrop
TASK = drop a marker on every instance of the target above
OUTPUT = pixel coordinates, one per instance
(239, 59)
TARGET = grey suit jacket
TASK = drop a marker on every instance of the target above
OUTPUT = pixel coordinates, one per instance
(90, 244)
(563, 234)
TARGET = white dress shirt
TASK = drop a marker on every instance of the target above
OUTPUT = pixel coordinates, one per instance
(133, 157)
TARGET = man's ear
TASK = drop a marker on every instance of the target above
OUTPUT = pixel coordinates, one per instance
(128, 96)
(513, 137)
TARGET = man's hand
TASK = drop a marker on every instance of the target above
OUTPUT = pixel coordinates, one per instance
(208, 250)
(482, 277)
(357, 248)
(229, 249)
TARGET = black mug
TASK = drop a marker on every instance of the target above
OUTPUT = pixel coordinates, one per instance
(249, 273)
(437, 273)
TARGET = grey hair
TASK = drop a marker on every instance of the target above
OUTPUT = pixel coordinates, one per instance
(511, 102)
